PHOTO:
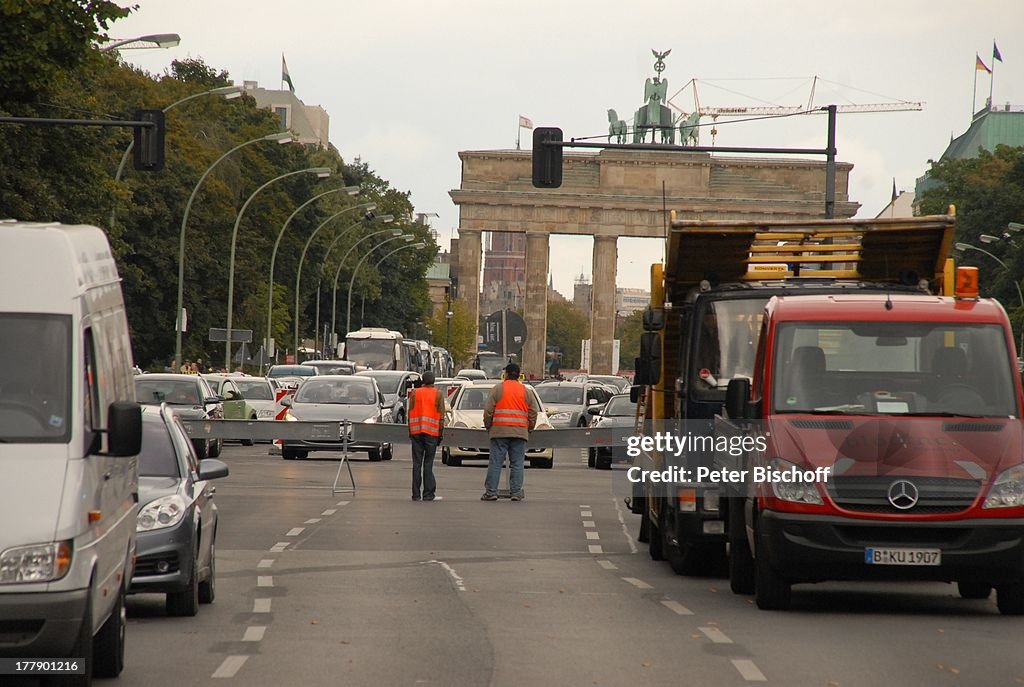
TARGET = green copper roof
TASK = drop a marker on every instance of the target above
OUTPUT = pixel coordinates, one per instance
(988, 130)
(439, 270)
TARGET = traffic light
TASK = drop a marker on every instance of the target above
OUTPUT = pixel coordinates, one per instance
(547, 159)
(148, 154)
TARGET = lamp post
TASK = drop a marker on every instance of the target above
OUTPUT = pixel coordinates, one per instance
(302, 259)
(156, 40)
(352, 281)
(178, 325)
(965, 247)
(337, 275)
(321, 172)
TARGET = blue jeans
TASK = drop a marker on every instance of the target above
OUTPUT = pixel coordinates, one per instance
(516, 450)
(423, 448)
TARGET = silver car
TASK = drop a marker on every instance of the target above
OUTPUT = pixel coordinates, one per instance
(567, 403)
(336, 398)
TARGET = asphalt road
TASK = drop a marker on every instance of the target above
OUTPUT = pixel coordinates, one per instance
(375, 589)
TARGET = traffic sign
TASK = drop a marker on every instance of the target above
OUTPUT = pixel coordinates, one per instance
(504, 332)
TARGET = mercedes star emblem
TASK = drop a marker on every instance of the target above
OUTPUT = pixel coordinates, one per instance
(903, 494)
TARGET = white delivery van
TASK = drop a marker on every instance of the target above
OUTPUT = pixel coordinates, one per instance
(69, 433)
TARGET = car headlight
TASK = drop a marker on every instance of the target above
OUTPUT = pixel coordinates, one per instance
(35, 563)
(166, 511)
(795, 491)
(1008, 489)
(560, 417)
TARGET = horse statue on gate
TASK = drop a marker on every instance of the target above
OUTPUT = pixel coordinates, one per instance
(616, 127)
(688, 129)
(655, 115)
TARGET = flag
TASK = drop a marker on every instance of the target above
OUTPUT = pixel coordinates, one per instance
(525, 123)
(285, 76)
(995, 53)
(979, 65)
(894, 194)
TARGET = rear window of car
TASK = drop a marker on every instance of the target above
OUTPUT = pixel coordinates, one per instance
(568, 395)
(157, 457)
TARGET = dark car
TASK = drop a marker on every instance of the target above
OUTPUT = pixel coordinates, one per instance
(336, 398)
(395, 385)
(618, 412)
(192, 398)
(176, 528)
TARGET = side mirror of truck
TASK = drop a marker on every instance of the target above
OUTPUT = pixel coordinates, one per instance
(650, 357)
(124, 428)
(654, 319)
(636, 392)
(737, 394)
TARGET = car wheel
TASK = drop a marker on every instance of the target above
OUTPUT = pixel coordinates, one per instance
(186, 602)
(388, 453)
(215, 448)
(546, 463)
(1010, 598)
(741, 561)
(591, 457)
(444, 456)
(772, 592)
(454, 461)
(83, 649)
(375, 455)
(208, 587)
(108, 645)
(289, 453)
(202, 448)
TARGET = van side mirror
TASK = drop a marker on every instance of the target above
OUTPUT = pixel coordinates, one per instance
(654, 319)
(737, 394)
(124, 428)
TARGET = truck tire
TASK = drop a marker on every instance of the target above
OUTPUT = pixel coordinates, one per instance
(741, 561)
(772, 592)
(216, 447)
(1010, 598)
(974, 590)
(108, 645)
(654, 538)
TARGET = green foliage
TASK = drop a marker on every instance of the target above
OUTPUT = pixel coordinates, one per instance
(628, 333)
(463, 341)
(567, 327)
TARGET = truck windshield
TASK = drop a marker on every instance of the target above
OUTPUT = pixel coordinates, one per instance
(885, 368)
(492, 365)
(376, 354)
(35, 378)
(727, 342)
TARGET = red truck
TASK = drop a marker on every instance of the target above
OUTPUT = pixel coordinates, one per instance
(892, 447)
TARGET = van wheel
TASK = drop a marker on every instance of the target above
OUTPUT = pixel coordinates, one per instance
(974, 590)
(208, 587)
(654, 540)
(108, 646)
(741, 567)
(186, 602)
(644, 535)
(1010, 598)
(771, 591)
(83, 649)
(202, 448)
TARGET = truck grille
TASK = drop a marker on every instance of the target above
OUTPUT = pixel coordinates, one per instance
(935, 494)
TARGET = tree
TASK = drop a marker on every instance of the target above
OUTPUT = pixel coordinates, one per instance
(463, 345)
(628, 333)
(567, 326)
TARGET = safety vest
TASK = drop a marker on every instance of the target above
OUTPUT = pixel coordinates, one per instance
(423, 416)
(512, 410)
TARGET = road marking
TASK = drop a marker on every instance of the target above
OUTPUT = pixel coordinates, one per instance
(715, 635)
(625, 530)
(583, 505)
(261, 605)
(592, 535)
(312, 521)
(588, 523)
(265, 563)
(456, 578)
(595, 548)
(607, 565)
(279, 547)
(265, 581)
(230, 666)
(676, 607)
(343, 503)
(639, 584)
(748, 671)
(254, 633)
(330, 511)
(586, 514)
(295, 531)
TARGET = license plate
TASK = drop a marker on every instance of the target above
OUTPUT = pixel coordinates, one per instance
(889, 556)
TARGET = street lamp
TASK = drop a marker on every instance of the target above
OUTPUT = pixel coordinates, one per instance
(376, 266)
(156, 40)
(352, 281)
(322, 173)
(302, 259)
(179, 320)
(337, 275)
(965, 247)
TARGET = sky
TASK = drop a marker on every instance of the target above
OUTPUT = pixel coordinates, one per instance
(408, 84)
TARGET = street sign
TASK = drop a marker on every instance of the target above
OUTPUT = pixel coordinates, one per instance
(237, 335)
(504, 333)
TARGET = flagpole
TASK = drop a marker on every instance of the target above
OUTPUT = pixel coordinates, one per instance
(519, 131)
(974, 93)
(991, 81)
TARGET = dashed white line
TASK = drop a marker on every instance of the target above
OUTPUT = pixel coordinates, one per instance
(459, 584)
(343, 503)
(639, 584)
(608, 565)
(715, 635)
(264, 581)
(261, 605)
(295, 531)
(595, 548)
(312, 521)
(265, 563)
(625, 530)
(592, 535)
(748, 671)
(676, 607)
(254, 633)
(588, 523)
(584, 505)
(230, 666)
(586, 514)
(330, 511)
(279, 547)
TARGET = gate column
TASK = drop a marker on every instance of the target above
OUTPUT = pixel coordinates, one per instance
(602, 319)
(536, 307)
(470, 253)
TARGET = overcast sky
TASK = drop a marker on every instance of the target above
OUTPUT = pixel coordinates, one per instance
(408, 83)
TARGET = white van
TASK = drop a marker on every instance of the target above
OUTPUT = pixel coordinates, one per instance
(69, 433)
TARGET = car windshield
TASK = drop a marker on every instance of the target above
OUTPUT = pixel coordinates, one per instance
(884, 368)
(174, 391)
(492, 365)
(561, 395)
(727, 342)
(255, 390)
(338, 391)
(291, 371)
(473, 398)
(388, 384)
(35, 378)
(620, 406)
(376, 354)
(157, 457)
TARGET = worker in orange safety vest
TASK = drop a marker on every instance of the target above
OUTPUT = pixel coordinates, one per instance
(426, 427)
(509, 415)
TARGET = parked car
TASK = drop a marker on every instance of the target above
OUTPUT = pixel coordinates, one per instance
(449, 386)
(567, 403)
(332, 367)
(176, 527)
(192, 398)
(618, 412)
(336, 398)
(469, 373)
(395, 385)
(468, 411)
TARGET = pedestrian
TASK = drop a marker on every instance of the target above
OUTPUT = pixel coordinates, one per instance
(426, 427)
(186, 366)
(509, 416)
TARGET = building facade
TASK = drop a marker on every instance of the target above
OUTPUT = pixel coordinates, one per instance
(310, 123)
